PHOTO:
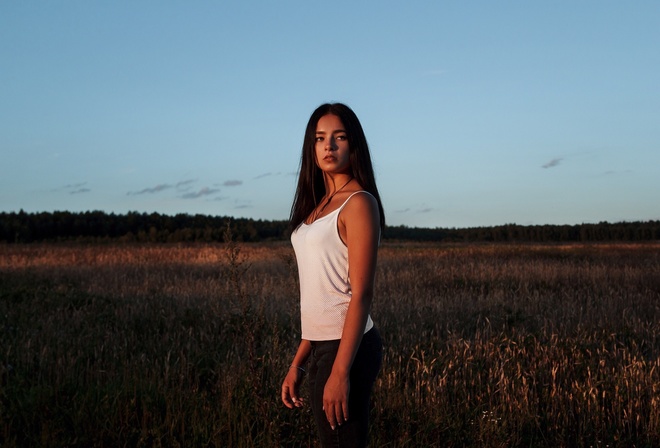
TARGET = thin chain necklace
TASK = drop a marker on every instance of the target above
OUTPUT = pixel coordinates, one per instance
(316, 215)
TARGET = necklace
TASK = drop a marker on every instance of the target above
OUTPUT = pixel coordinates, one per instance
(316, 215)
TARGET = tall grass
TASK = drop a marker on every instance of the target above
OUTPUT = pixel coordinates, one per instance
(485, 345)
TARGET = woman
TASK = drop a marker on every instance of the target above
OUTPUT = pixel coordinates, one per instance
(336, 218)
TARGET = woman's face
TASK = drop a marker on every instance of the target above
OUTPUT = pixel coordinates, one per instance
(331, 147)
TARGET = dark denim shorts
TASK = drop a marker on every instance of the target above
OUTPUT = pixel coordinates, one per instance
(354, 432)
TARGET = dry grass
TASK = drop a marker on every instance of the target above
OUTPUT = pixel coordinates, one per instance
(486, 345)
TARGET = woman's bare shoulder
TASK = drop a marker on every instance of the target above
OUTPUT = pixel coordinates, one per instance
(361, 204)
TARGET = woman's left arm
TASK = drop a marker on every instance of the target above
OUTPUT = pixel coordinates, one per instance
(359, 227)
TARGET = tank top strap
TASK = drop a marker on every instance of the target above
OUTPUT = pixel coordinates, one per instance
(349, 198)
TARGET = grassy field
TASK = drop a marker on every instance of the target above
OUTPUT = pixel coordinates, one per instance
(485, 346)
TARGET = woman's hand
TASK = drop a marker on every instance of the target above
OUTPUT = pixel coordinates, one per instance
(335, 399)
(291, 387)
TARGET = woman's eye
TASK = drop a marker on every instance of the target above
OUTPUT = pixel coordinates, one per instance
(341, 137)
(319, 139)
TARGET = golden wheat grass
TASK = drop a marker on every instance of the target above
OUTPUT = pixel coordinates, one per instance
(186, 345)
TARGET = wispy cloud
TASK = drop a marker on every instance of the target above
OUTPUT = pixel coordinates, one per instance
(554, 162)
(185, 184)
(184, 188)
(157, 189)
(80, 190)
(409, 210)
(206, 191)
(76, 188)
(240, 204)
(271, 174)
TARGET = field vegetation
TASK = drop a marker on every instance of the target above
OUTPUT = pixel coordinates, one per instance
(486, 345)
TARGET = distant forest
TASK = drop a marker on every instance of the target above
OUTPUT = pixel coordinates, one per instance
(97, 226)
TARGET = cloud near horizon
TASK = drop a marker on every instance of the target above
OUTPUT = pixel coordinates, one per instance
(78, 185)
(203, 192)
(80, 190)
(73, 188)
(271, 174)
(232, 183)
(554, 162)
(409, 210)
(185, 182)
(77, 188)
(181, 186)
(157, 189)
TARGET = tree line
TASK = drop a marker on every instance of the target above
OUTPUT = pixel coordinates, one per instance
(98, 226)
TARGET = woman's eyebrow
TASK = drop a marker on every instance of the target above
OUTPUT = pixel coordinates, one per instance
(336, 131)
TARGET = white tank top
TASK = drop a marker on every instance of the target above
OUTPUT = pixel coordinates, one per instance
(325, 289)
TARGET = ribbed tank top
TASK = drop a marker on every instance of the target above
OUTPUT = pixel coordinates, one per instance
(325, 289)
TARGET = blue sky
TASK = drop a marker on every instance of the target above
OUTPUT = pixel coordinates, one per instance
(477, 113)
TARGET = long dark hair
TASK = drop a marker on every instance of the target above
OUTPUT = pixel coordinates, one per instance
(311, 187)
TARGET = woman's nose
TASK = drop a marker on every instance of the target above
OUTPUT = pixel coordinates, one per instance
(331, 144)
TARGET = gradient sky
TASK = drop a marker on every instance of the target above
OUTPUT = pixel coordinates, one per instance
(477, 113)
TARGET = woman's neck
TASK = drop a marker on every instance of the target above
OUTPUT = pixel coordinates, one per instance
(334, 183)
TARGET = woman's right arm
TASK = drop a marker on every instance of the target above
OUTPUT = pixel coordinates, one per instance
(291, 385)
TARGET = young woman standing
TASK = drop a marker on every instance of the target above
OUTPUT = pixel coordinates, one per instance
(337, 218)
